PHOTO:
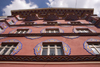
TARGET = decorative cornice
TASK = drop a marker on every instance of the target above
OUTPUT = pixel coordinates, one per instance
(61, 12)
(46, 58)
(50, 25)
(50, 34)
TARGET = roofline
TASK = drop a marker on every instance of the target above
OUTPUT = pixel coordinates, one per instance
(53, 8)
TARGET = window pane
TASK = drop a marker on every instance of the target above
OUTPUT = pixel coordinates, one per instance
(90, 46)
(58, 45)
(60, 52)
(11, 50)
(57, 31)
(6, 49)
(9, 45)
(94, 51)
(52, 51)
(52, 31)
(98, 49)
(45, 45)
(52, 45)
(44, 52)
(47, 31)
(1, 49)
(96, 45)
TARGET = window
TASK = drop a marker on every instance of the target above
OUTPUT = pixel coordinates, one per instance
(21, 31)
(29, 23)
(51, 22)
(95, 46)
(83, 30)
(11, 22)
(52, 30)
(1, 28)
(52, 48)
(7, 48)
(75, 22)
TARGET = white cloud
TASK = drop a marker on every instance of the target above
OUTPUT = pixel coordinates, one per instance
(57, 3)
(18, 4)
(80, 4)
(93, 4)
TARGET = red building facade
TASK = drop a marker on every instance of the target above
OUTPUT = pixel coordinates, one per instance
(50, 37)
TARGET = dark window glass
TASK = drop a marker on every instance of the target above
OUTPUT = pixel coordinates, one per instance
(44, 52)
(6, 49)
(1, 49)
(52, 51)
(11, 50)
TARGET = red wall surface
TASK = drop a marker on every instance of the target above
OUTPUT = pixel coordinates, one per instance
(28, 45)
(76, 44)
(45, 65)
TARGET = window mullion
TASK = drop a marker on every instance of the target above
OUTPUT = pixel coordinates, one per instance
(7, 53)
(48, 51)
(56, 50)
(1, 52)
(54, 31)
(41, 50)
(96, 49)
(49, 31)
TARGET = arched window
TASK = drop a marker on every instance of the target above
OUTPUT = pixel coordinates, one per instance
(92, 46)
(52, 47)
(10, 47)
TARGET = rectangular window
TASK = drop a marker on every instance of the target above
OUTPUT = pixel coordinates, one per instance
(11, 22)
(51, 22)
(21, 31)
(52, 30)
(75, 22)
(95, 46)
(52, 48)
(6, 48)
(83, 30)
(29, 23)
(1, 28)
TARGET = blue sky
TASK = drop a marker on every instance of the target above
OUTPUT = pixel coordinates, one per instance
(7, 5)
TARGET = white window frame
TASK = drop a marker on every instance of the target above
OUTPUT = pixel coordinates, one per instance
(20, 32)
(83, 31)
(8, 51)
(95, 47)
(52, 31)
(1, 29)
(48, 49)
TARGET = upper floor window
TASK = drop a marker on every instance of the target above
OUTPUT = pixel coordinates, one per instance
(75, 22)
(52, 48)
(11, 22)
(1, 28)
(51, 22)
(83, 30)
(6, 48)
(52, 30)
(29, 23)
(21, 31)
(95, 46)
